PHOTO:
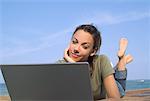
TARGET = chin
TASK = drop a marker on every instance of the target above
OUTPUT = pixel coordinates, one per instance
(76, 59)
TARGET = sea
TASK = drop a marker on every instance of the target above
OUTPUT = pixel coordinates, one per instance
(130, 85)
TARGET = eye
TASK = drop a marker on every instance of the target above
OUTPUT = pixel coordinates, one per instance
(74, 41)
(85, 47)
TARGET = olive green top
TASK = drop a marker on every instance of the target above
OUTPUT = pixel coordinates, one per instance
(101, 69)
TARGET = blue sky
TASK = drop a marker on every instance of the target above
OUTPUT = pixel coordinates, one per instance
(38, 31)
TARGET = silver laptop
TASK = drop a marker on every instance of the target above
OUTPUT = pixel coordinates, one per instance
(51, 82)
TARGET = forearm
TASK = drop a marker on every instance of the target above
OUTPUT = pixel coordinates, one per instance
(111, 87)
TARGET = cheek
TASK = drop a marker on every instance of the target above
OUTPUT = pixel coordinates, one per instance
(85, 53)
(70, 47)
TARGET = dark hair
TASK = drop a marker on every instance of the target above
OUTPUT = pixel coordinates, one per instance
(94, 32)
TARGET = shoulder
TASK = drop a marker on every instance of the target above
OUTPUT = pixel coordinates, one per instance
(100, 58)
(102, 63)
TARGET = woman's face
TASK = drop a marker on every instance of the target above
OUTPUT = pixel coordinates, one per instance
(81, 46)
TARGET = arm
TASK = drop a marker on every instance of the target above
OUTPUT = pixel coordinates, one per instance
(111, 88)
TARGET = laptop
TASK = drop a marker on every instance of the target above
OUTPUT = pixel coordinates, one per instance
(48, 82)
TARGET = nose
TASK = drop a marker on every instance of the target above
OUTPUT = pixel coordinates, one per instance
(76, 48)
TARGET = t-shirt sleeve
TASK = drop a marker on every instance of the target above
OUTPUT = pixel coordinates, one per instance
(61, 61)
(106, 67)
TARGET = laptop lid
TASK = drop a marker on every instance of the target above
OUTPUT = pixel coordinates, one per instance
(51, 82)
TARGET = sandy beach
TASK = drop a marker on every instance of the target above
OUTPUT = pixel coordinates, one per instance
(137, 95)
(132, 95)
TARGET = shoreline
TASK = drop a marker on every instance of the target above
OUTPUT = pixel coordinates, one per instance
(131, 95)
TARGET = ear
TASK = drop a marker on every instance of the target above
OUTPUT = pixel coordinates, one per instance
(93, 52)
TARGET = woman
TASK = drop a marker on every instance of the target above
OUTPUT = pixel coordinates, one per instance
(85, 43)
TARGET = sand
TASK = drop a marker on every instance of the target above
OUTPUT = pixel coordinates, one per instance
(132, 95)
(137, 95)
(5, 98)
